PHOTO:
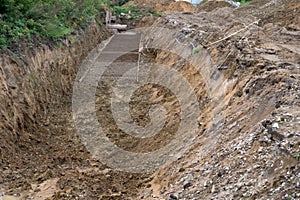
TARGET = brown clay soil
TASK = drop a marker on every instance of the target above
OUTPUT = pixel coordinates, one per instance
(150, 3)
(179, 6)
(252, 154)
(164, 5)
(212, 5)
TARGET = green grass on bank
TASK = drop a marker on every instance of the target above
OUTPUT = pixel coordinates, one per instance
(132, 11)
(54, 19)
(243, 2)
(46, 18)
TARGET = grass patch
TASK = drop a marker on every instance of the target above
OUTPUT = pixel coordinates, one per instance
(196, 50)
(243, 2)
(21, 19)
(133, 12)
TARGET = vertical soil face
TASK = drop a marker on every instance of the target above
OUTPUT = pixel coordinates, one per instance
(34, 79)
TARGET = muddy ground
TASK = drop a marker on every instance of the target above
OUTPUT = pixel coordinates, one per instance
(250, 153)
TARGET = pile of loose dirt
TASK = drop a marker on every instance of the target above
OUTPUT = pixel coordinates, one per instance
(164, 5)
(253, 152)
(179, 6)
(283, 12)
(148, 3)
(146, 21)
(212, 5)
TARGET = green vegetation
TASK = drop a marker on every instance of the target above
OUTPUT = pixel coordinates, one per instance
(54, 19)
(132, 11)
(122, 2)
(290, 196)
(243, 2)
(21, 19)
(196, 50)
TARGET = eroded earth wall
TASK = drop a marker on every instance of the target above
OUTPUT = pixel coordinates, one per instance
(31, 82)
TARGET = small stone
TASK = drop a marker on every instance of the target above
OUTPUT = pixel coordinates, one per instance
(181, 170)
(187, 185)
(219, 174)
(260, 150)
(172, 196)
(266, 123)
(213, 189)
(189, 177)
(37, 190)
(147, 194)
(7, 197)
(205, 184)
(275, 125)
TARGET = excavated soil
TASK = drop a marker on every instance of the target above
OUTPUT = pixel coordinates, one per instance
(212, 5)
(150, 3)
(164, 5)
(179, 6)
(252, 152)
(248, 137)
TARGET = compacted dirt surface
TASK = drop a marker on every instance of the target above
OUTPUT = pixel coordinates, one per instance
(247, 144)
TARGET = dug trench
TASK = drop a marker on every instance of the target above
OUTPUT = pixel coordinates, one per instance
(247, 135)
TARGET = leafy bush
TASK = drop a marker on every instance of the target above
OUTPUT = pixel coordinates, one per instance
(243, 2)
(133, 12)
(47, 18)
(130, 10)
(122, 2)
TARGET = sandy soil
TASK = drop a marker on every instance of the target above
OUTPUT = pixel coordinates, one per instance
(252, 154)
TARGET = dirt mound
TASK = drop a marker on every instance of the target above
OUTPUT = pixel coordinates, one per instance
(164, 5)
(148, 3)
(261, 64)
(146, 21)
(283, 13)
(212, 5)
(179, 6)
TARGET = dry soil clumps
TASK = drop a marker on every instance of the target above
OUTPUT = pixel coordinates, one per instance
(212, 5)
(179, 6)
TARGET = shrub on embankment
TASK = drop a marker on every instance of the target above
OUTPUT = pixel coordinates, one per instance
(23, 19)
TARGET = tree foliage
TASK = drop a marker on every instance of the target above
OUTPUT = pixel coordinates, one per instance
(243, 2)
(46, 18)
